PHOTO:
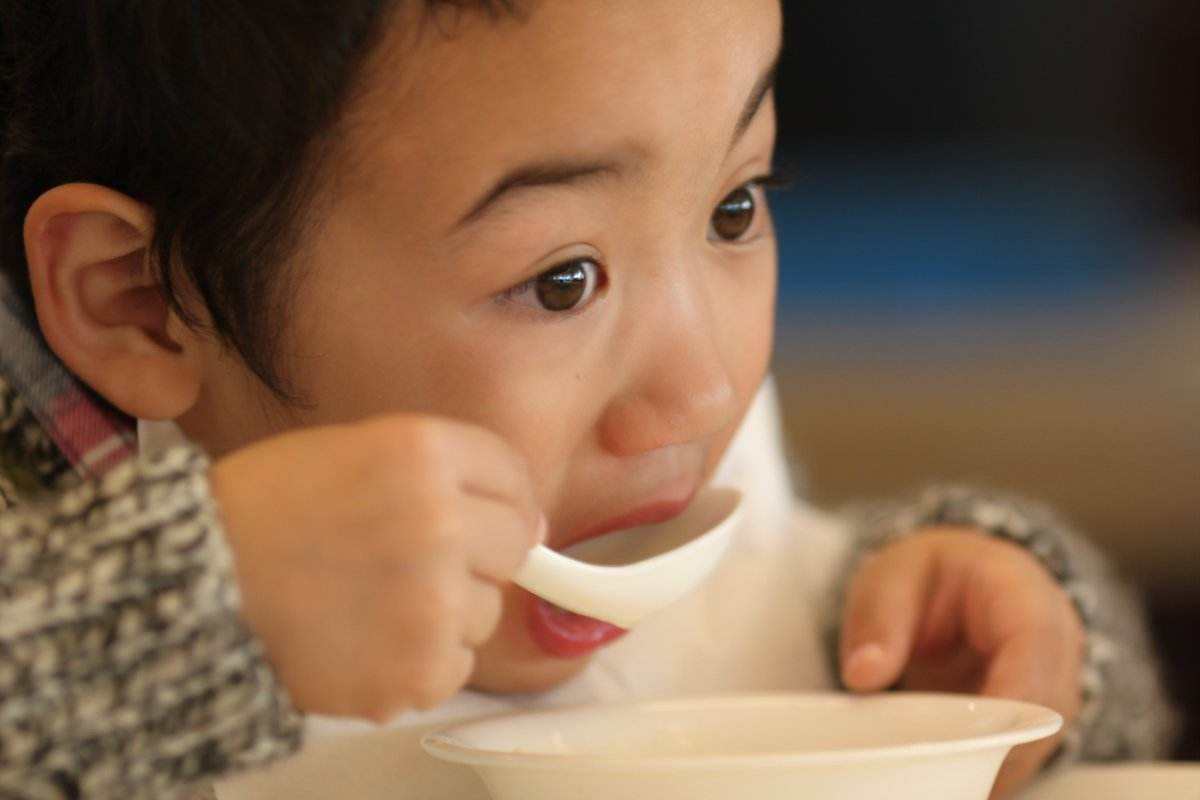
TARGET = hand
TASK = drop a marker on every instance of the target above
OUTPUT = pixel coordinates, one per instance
(370, 557)
(955, 610)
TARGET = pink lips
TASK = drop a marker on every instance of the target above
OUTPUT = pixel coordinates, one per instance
(567, 635)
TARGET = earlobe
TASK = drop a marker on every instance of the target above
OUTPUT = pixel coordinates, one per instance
(99, 302)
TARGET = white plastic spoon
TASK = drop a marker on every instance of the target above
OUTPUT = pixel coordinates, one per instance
(624, 576)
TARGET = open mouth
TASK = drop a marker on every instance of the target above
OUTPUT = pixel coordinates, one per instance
(565, 634)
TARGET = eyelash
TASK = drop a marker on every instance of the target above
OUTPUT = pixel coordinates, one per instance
(772, 182)
(768, 182)
(508, 294)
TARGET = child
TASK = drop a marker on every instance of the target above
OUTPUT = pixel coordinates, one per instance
(421, 284)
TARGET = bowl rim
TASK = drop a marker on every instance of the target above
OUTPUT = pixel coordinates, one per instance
(1036, 722)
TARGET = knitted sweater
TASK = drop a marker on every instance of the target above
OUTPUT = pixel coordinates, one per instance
(126, 672)
(124, 668)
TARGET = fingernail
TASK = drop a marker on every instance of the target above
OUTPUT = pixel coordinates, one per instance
(863, 664)
(543, 529)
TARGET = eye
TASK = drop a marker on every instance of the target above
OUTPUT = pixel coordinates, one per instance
(734, 216)
(567, 287)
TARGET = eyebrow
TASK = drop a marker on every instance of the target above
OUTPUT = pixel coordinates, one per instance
(545, 173)
(565, 172)
(754, 102)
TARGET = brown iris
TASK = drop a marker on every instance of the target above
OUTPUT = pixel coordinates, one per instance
(734, 215)
(561, 288)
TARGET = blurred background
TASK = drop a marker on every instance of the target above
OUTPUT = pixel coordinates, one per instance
(990, 268)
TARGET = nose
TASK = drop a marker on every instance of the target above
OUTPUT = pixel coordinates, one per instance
(680, 390)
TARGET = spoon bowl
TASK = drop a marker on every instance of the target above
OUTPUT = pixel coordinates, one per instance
(627, 575)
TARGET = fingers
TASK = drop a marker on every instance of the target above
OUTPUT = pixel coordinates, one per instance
(467, 457)
(493, 469)
(454, 671)
(501, 538)
(883, 609)
(1023, 667)
(1038, 666)
(1037, 658)
(1021, 765)
(495, 472)
(1021, 670)
(958, 670)
(484, 605)
(952, 612)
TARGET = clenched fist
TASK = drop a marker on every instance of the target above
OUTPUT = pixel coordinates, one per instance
(370, 556)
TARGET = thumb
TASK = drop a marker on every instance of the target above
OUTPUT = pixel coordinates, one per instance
(882, 613)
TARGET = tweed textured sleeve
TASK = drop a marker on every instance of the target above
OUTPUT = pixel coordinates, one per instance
(124, 668)
(1126, 714)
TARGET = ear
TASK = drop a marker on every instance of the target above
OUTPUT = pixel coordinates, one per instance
(100, 305)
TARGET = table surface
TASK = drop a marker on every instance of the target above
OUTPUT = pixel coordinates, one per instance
(1162, 781)
(1155, 781)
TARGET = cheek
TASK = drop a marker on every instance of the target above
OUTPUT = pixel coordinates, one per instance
(748, 323)
(747, 328)
(234, 409)
(479, 374)
(537, 405)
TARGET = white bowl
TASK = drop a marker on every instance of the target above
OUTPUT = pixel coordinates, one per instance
(757, 747)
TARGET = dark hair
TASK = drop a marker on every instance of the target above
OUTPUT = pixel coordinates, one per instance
(212, 112)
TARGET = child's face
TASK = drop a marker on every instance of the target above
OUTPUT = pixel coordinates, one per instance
(625, 392)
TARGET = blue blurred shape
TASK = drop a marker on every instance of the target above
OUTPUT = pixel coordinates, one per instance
(922, 233)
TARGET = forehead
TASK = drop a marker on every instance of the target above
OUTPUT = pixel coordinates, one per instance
(465, 93)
